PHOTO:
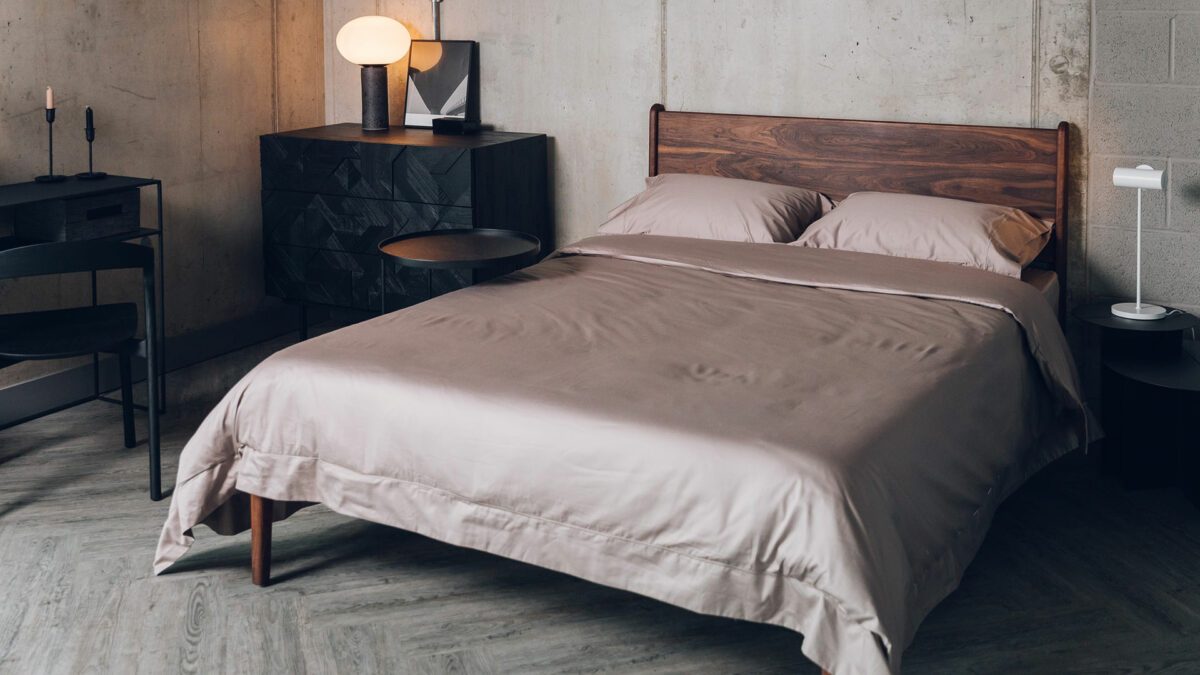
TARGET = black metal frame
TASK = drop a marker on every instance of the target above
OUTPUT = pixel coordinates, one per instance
(28, 193)
(45, 258)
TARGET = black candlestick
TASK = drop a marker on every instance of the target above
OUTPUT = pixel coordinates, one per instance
(50, 177)
(89, 132)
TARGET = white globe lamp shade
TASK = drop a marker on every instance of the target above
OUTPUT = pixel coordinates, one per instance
(373, 41)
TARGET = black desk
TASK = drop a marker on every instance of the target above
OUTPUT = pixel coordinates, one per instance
(1150, 388)
(24, 194)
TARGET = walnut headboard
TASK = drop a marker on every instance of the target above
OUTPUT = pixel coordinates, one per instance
(1011, 166)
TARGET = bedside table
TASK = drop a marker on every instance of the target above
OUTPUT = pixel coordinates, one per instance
(496, 251)
(1150, 388)
(331, 194)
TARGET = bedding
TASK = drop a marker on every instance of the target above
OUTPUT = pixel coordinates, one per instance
(711, 207)
(999, 239)
(1046, 283)
(811, 438)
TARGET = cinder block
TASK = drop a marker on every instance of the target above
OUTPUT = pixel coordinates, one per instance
(1132, 47)
(1187, 48)
(1146, 5)
(1183, 192)
(1168, 265)
(1151, 120)
(1112, 206)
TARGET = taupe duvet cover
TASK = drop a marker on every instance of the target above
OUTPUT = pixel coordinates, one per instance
(811, 438)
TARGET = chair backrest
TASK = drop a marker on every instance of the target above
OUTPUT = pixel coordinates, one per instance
(73, 256)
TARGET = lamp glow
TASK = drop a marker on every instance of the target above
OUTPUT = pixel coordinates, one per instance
(1143, 177)
(373, 42)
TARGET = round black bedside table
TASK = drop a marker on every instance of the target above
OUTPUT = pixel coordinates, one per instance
(490, 250)
(1150, 389)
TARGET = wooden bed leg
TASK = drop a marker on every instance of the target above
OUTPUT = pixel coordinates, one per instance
(261, 509)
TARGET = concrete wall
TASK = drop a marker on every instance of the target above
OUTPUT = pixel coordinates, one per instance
(181, 90)
(587, 72)
(1145, 108)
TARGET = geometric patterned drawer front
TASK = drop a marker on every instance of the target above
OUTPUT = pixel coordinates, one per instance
(303, 165)
(408, 286)
(320, 276)
(342, 279)
(433, 176)
(348, 223)
(331, 194)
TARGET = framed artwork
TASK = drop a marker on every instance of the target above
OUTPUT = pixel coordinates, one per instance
(443, 81)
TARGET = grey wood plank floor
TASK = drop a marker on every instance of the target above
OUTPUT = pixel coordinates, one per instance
(1077, 576)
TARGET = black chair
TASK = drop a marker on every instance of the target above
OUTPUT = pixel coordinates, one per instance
(65, 333)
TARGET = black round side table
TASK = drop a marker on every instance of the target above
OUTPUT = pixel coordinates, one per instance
(492, 251)
(1150, 389)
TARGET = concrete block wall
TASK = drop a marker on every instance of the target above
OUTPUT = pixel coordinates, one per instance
(181, 90)
(1145, 109)
(587, 72)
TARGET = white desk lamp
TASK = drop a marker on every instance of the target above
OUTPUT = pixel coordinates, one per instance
(1144, 177)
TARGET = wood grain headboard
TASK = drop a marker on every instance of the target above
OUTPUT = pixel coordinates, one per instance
(1011, 166)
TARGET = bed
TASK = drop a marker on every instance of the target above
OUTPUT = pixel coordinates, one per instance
(811, 438)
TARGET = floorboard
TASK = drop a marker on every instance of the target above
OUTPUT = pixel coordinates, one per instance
(1077, 576)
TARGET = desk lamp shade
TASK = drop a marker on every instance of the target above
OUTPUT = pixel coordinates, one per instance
(373, 42)
(1143, 178)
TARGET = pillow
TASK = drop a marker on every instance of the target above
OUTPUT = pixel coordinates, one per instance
(711, 207)
(994, 238)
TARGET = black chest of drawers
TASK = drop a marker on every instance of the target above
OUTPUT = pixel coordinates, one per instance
(331, 194)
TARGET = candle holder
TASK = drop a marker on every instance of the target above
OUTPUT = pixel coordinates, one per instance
(89, 132)
(50, 177)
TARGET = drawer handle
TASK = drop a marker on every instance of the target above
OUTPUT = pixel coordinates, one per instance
(104, 211)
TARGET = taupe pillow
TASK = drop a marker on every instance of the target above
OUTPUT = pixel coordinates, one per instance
(994, 238)
(711, 207)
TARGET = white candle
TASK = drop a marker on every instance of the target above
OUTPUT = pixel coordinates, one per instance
(49, 98)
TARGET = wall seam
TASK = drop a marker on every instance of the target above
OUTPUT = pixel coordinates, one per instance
(662, 51)
(1087, 240)
(275, 65)
(1035, 66)
(1171, 51)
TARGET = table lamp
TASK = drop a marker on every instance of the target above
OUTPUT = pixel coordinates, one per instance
(373, 42)
(1144, 177)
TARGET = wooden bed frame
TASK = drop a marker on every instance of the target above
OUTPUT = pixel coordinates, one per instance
(1012, 166)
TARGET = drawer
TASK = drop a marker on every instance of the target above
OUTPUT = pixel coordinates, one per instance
(81, 218)
(349, 224)
(409, 285)
(327, 167)
(321, 276)
(433, 176)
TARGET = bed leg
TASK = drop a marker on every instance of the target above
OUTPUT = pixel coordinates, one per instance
(825, 672)
(261, 509)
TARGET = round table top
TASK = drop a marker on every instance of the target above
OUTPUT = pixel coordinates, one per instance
(462, 248)
(1100, 314)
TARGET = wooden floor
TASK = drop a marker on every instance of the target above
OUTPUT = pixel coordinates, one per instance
(1077, 576)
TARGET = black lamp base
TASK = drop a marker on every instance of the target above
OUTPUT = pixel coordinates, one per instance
(91, 175)
(374, 98)
(50, 178)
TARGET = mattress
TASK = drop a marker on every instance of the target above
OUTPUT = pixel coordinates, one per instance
(810, 438)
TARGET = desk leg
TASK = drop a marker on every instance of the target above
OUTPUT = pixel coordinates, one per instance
(95, 355)
(162, 311)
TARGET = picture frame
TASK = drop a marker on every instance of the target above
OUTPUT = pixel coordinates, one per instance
(443, 81)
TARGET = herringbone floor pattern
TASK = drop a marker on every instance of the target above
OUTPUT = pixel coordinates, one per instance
(1076, 576)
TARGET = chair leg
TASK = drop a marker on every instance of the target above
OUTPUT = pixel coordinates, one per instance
(127, 398)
